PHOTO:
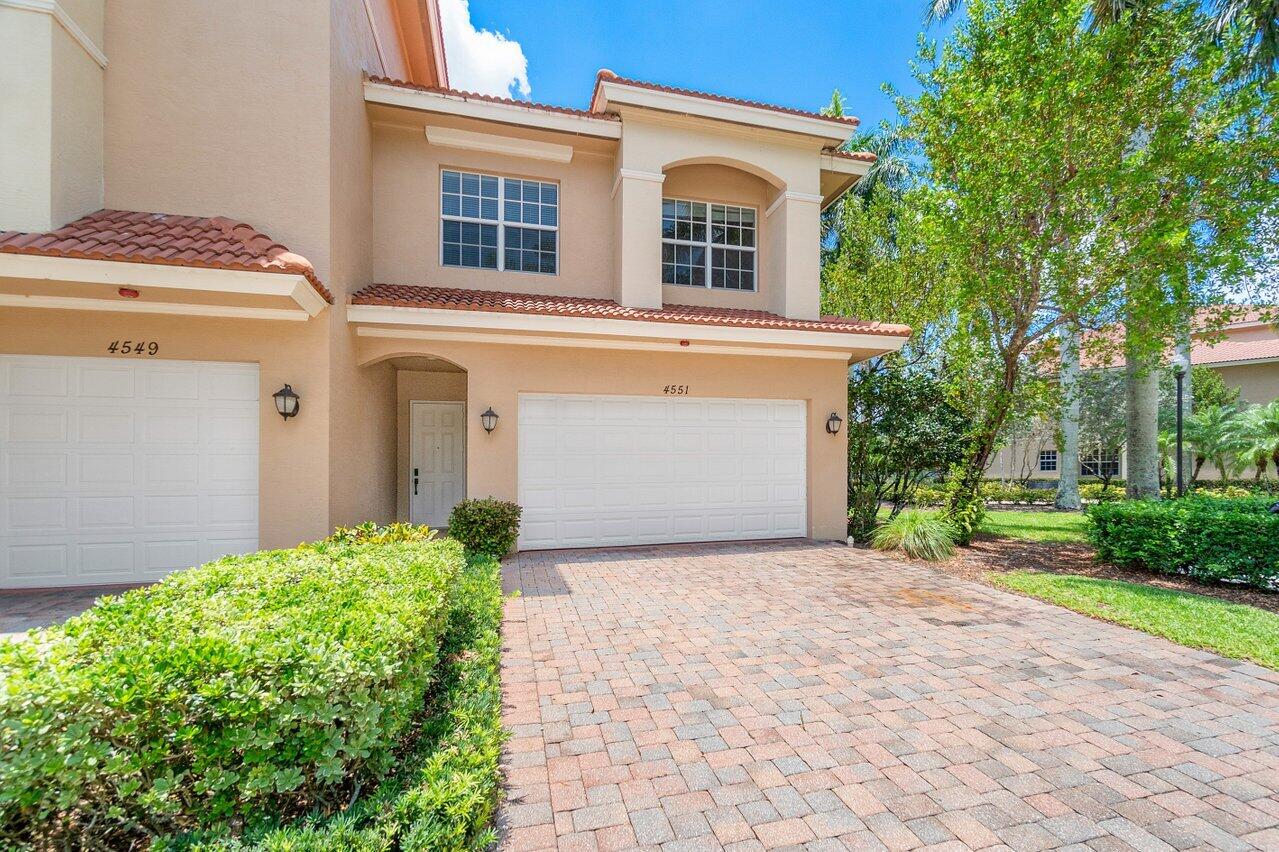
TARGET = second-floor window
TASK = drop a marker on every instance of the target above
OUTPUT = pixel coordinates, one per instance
(491, 222)
(1047, 461)
(708, 245)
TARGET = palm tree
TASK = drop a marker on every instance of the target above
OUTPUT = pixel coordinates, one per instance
(1209, 432)
(1257, 21)
(1255, 433)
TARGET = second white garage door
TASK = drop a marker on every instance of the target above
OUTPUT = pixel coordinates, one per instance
(114, 470)
(615, 470)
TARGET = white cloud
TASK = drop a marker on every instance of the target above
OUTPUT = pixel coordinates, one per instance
(481, 60)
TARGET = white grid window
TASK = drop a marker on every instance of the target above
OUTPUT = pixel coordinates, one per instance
(708, 245)
(1099, 463)
(523, 238)
(1047, 461)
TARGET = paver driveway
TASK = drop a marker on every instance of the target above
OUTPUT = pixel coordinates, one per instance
(750, 696)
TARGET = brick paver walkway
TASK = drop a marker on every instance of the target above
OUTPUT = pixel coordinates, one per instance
(760, 696)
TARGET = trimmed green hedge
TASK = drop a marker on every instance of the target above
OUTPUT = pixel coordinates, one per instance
(1209, 538)
(261, 684)
(445, 792)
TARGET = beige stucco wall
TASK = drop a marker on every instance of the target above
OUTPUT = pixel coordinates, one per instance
(406, 189)
(293, 460)
(1257, 383)
(417, 386)
(222, 114)
(51, 94)
(497, 374)
(362, 421)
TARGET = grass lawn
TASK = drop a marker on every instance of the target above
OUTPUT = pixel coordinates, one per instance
(1035, 526)
(1232, 630)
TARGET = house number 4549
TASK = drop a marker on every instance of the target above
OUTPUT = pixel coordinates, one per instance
(133, 347)
(675, 390)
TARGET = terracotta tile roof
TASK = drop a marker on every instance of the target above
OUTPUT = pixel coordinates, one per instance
(1226, 319)
(448, 298)
(605, 74)
(860, 156)
(1229, 351)
(167, 240)
(493, 99)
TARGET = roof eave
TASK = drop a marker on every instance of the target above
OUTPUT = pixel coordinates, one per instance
(610, 93)
(481, 109)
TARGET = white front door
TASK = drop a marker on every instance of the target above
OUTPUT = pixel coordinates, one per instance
(114, 470)
(616, 470)
(437, 461)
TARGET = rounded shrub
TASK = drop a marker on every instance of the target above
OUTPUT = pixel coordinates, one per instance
(486, 526)
(921, 535)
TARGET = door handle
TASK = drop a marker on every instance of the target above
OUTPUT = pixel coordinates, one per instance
(414, 482)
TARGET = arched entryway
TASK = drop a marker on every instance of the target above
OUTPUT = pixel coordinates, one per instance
(431, 440)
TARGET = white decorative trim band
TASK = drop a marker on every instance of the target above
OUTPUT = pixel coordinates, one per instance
(54, 8)
(448, 137)
(592, 343)
(791, 196)
(635, 174)
(73, 303)
(126, 274)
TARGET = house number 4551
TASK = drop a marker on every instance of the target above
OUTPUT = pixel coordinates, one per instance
(675, 390)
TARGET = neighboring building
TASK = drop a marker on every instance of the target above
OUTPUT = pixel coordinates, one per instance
(1247, 357)
(631, 290)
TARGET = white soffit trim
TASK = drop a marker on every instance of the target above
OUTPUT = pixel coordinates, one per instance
(791, 196)
(54, 8)
(524, 116)
(134, 306)
(614, 92)
(843, 165)
(448, 137)
(126, 274)
(497, 321)
(594, 343)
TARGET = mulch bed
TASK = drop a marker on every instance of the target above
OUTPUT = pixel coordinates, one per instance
(988, 554)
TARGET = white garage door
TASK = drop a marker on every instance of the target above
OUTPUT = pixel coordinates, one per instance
(615, 470)
(117, 471)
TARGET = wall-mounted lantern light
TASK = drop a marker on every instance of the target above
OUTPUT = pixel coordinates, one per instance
(832, 423)
(489, 419)
(287, 402)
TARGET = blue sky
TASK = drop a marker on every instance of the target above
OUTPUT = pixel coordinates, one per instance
(792, 54)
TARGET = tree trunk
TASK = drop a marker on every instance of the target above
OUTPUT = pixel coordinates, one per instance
(1068, 463)
(1142, 384)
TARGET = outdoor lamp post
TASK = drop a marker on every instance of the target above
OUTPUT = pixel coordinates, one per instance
(832, 423)
(1180, 373)
(489, 419)
(287, 402)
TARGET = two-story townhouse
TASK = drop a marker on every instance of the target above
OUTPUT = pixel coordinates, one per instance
(210, 221)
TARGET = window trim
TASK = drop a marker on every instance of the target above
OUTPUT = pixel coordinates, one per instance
(500, 222)
(708, 263)
(1046, 456)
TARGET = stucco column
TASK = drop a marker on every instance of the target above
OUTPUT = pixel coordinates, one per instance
(50, 116)
(793, 228)
(637, 211)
